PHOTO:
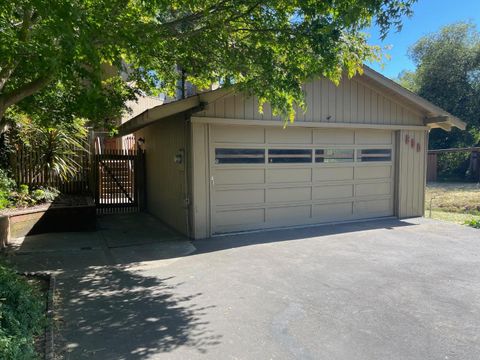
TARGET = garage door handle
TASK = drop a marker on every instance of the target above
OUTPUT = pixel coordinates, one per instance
(213, 181)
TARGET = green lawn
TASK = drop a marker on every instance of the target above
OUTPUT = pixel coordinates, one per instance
(455, 202)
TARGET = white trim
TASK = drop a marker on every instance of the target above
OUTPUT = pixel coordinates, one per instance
(304, 124)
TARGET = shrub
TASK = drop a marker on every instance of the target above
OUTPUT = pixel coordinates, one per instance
(7, 185)
(44, 194)
(453, 165)
(21, 197)
(475, 223)
(21, 316)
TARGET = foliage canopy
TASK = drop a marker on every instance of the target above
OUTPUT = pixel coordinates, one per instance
(62, 59)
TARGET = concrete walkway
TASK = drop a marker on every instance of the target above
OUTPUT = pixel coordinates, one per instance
(373, 290)
(128, 240)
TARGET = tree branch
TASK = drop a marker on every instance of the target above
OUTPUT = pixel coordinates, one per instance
(5, 74)
(24, 91)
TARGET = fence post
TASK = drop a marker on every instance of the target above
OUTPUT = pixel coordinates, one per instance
(432, 166)
(140, 181)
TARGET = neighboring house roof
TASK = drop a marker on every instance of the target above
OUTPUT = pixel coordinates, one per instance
(142, 103)
(435, 116)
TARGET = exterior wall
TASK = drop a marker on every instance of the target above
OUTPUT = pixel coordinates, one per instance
(200, 182)
(351, 102)
(411, 174)
(166, 190)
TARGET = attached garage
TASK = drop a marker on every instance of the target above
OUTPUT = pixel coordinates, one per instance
(357, 153)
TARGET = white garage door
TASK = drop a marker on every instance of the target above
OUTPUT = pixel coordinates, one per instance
(264, 177)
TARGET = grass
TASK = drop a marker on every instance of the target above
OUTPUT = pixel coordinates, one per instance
(454, 202)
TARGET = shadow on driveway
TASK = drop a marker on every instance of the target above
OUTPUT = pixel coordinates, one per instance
(113, 313)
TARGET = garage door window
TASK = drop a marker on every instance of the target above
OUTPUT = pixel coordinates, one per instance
(239, 156)
(374, 155)
(283, 156)
(333, 155)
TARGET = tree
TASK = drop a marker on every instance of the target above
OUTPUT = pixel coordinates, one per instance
(67, 58)
(448, 74)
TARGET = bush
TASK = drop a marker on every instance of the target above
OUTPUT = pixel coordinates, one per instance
(453, 166)
(22, 317)
(7, 185)
(23, 197)
(473, 223)
(44, 194)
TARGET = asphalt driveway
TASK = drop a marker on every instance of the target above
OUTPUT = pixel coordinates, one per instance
(373, 290)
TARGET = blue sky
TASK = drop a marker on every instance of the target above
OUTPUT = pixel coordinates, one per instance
(428, 17)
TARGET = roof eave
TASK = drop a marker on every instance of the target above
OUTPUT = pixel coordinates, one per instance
(429, 108)
(163, 111)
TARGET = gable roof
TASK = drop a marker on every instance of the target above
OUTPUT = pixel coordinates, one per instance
(434, 116)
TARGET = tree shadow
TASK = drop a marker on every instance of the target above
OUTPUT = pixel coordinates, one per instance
(113, 313)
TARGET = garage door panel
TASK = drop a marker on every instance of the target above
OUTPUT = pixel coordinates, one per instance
(373, 189)
(288, 194)
(239, 219)
(333, 136)
(240, 196)
(288, 215)
(332, 192)
(239, 134)
(370, 208)
(239, 176)
(332, 173)
(289, 136)
(373, 172)
(291, 175)
(325, 212)
(373, 137)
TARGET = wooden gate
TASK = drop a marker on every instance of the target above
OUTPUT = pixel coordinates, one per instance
(119, 181)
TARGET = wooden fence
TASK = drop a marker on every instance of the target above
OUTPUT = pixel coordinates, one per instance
(26, 170)
(432, 161)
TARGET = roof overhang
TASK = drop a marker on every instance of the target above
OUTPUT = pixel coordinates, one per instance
(192, 103)
(435, 117)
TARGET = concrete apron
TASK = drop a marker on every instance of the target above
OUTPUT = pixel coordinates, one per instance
(132, 241)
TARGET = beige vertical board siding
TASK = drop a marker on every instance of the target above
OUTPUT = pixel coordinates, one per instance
(411, 174)
(165, 180)
(199, 207)
(347, 111)
(374, 107)
(350, 102)
(230, 107)
(308, 101)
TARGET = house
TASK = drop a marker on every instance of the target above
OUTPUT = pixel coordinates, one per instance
(215, 165)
